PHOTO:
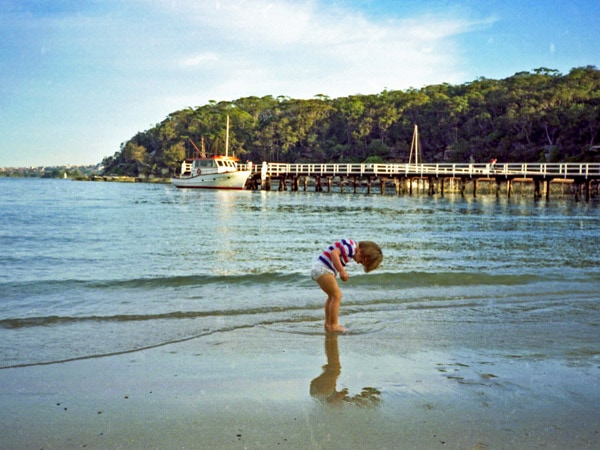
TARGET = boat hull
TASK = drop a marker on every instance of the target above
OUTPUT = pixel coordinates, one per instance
(228, 180)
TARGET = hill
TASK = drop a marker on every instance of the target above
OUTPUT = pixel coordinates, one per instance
(529, 117)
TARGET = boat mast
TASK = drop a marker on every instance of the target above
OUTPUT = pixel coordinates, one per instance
(414, 146)
(227, 138)
(200, 152)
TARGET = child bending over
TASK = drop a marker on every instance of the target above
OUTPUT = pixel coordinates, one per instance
(333, 261)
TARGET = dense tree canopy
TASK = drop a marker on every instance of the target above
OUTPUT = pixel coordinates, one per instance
(529, 117)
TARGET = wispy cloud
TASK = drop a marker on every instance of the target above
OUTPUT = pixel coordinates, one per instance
(122, 66)
(198, 59)
(304, 48)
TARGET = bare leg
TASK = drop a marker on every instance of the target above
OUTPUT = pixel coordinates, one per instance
(330, 286)
(327, 315)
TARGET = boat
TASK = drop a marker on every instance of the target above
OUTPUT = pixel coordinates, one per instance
(213, 172)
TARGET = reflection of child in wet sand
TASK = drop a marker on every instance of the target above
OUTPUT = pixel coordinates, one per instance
(333, 261)
(324, 387)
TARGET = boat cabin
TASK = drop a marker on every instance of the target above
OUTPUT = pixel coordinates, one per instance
(216, 164)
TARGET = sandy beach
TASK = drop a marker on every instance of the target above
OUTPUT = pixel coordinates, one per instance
(274, 388)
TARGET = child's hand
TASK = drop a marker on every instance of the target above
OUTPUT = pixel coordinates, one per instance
(344, 275)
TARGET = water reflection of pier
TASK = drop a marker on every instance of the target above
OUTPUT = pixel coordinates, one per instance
(579, 179)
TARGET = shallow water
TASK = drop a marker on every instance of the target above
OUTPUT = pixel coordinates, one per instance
(91, 269)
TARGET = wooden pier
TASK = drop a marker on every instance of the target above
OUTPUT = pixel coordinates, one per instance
(582, 178)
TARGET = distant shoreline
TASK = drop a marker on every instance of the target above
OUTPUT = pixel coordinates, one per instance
(95, 177)
(123, 179)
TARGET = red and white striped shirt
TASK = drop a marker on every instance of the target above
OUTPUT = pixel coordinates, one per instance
(347, 248)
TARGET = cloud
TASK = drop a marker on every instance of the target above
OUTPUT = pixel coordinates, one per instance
(304, 48)
(198, 59)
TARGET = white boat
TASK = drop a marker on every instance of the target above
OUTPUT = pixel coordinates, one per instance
(214, 172)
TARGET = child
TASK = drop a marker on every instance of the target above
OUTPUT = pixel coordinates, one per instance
(334, 260)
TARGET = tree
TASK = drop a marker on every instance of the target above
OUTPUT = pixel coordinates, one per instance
(173, 156)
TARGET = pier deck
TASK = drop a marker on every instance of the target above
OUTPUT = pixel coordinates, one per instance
(583, 176)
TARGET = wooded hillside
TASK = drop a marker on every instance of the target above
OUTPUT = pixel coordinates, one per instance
(528, 117)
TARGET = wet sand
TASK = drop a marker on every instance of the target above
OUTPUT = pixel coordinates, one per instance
(263, 387)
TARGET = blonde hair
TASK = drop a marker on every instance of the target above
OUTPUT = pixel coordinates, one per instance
(371, 254)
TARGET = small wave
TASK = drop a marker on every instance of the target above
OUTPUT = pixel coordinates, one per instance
(49, 286)
(199, 280)
(15, 292)
(418, 279)
(46, 321)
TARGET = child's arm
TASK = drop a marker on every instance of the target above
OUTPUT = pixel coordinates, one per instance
(335, 258)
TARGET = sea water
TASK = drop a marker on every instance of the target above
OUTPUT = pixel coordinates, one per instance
(89, 269)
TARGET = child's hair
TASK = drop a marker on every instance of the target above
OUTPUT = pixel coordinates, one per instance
(372, 255)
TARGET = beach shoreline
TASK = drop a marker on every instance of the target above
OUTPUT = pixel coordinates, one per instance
(263, 388)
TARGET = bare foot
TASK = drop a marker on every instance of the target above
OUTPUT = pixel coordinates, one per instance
(335, 328)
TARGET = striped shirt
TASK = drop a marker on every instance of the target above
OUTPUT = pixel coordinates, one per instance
(347, 248)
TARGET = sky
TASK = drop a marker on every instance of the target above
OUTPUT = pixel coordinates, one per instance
(80, 77)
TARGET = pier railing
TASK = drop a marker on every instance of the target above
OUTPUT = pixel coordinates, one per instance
(524, 170)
